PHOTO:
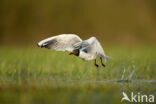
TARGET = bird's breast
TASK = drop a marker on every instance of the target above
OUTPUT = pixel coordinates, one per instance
(86, 56)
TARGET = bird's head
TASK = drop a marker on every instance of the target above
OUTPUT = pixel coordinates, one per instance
(75, 52)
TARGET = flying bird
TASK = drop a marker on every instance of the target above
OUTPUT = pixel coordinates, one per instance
(87, 50)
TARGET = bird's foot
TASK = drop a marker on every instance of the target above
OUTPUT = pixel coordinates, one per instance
(103, 65)
(96, 65)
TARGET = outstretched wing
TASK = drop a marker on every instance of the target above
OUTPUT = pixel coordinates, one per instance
(80, 45)
(94, 47)
(63, 42)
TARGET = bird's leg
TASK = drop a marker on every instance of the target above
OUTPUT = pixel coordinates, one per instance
(95, 63)
(102, 62)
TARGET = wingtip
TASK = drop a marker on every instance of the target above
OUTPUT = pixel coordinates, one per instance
(39, 45)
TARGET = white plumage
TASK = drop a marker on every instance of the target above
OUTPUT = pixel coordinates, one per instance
(62, 42)
(89, 49)
(92, 50)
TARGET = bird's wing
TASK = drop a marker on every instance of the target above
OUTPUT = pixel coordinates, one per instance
(81, 44)
(94, 47)
(63, 42)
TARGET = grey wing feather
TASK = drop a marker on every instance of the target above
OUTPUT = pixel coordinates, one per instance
(62, 42)
(94, 47)
(81, 44)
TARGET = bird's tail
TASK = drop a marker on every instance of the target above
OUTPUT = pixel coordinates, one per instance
(107, 58)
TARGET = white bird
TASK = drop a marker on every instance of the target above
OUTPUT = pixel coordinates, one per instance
(89, 49)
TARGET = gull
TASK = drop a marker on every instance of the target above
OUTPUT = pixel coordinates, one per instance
(87, 50)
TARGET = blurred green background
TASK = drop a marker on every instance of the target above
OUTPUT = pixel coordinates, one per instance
(25, 22)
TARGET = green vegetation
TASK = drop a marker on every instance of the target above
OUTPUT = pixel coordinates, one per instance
(37, 76)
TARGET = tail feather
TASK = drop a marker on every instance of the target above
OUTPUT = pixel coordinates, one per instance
(107, 58)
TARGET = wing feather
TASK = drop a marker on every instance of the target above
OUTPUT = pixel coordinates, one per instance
(63, 42)
(94, 47)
